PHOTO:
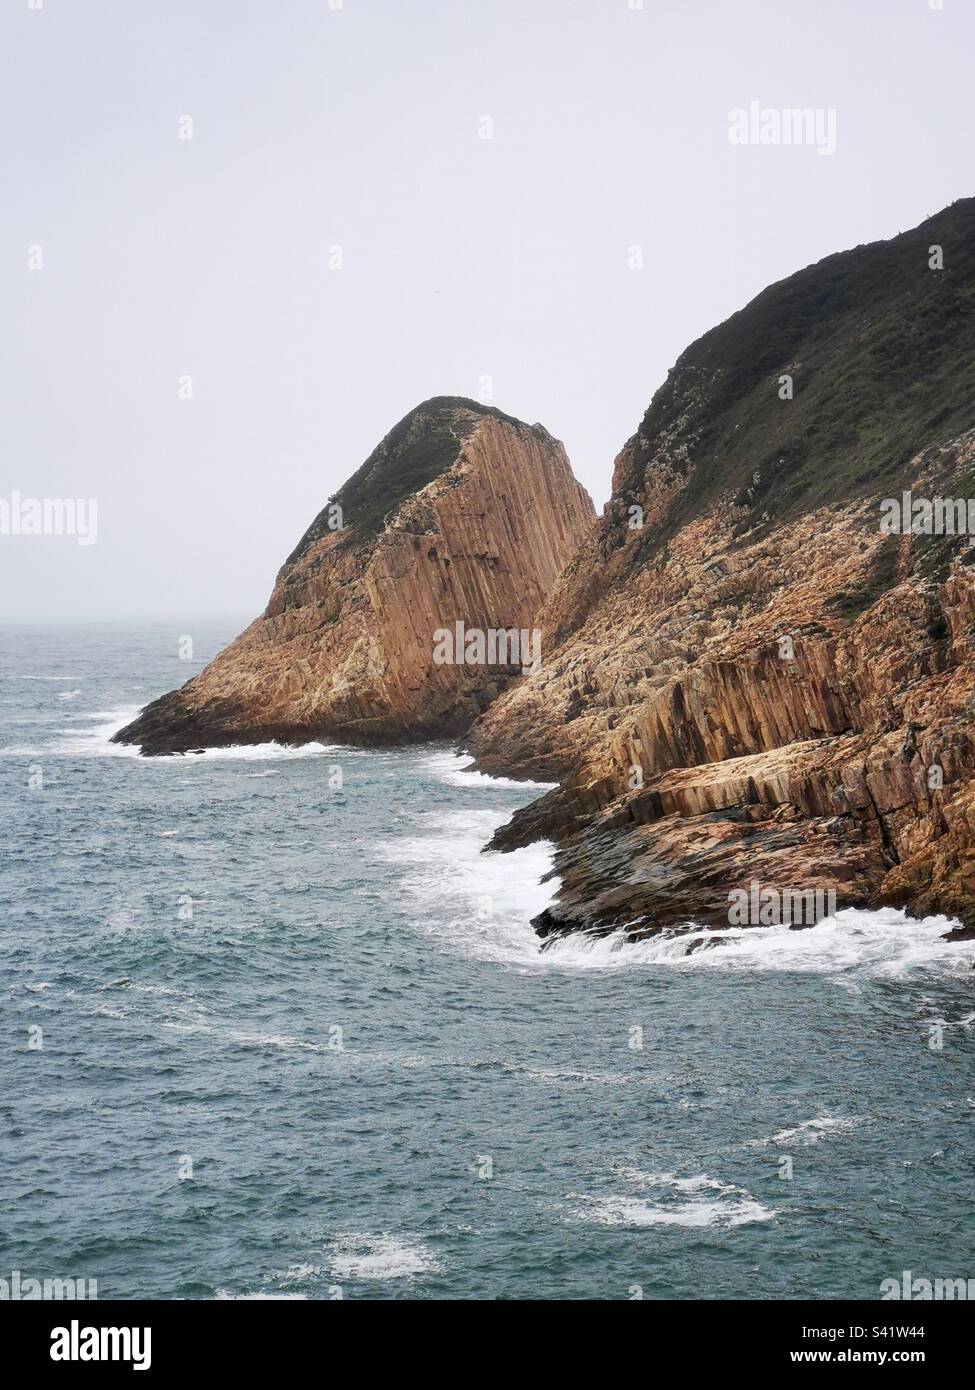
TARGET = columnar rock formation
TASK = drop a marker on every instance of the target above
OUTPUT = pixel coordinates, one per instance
(746, 678)
(462, 514)
(747, 674)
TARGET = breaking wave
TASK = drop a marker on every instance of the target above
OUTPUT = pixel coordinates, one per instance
(481, 903)
(882, 943)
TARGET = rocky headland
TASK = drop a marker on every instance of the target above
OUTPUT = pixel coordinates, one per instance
(746, 678)
(752, 669)
(461, 514)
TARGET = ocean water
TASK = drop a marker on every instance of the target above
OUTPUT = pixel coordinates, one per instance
(298, 1039)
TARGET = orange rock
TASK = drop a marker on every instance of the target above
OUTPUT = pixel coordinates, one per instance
(461, 514)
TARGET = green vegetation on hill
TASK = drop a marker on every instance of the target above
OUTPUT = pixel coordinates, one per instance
(421, 447)
(881, 349)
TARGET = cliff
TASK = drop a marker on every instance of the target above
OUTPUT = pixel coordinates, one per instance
(746, 678)
(462, 514)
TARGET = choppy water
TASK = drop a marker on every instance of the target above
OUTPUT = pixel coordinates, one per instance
(191, 933)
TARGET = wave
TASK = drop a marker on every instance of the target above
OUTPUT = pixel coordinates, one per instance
(457, 770)
(97, 742)
(261, 1296)
(695, 1202)
(812, 1131)
(885, 943)
(475, 902)
(966, 1021)
(284, 1041)
(358, 1256)
(481, 903)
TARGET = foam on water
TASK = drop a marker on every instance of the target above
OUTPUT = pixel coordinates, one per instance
(882, 943)
(457, 770)
(813, 1131)
(478, 903)
(695, 1202)
(482, 903)
(97, 742)
(358, 1256)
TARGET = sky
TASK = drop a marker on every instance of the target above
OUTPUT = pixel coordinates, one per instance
(240, 239)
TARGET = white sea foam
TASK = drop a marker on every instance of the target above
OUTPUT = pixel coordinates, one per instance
(480, 904)
(885, 943)
(84, 742)
(260, 1297)
(697, 1202)
(358, 1256)
(296, 1273)
(813, 1131)
(457, 770)
(256, 752)
(559, 1076)
(284, 1041)
(96, 741)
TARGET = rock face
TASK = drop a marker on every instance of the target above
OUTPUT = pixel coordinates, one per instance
(462, 514)
(745, 678)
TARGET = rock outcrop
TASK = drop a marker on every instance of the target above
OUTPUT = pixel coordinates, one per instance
(461, 515)
(745, 677)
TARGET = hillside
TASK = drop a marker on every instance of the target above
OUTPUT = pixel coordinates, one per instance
(743, 673)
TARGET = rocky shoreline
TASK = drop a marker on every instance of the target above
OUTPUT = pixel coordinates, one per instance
(748, 675)
(757, 681)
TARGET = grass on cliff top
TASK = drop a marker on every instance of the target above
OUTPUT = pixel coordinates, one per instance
(421, 447)
(881, 349)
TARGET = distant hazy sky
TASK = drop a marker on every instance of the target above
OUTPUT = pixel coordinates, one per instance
(463, 257)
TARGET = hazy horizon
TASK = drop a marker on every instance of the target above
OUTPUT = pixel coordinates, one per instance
(492, 174)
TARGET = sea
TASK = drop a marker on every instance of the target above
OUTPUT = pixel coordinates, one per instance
(275, 1025)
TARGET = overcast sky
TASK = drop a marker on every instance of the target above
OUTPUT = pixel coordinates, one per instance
(362, 126)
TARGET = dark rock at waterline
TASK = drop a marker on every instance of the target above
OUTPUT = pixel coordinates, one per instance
(960, 933)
